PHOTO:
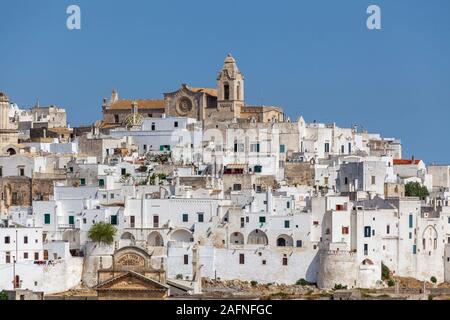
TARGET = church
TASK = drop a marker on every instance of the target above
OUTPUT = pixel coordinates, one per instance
(9, 134)
(223, 104)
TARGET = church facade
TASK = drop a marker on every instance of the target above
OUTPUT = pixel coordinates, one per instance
(224, 103)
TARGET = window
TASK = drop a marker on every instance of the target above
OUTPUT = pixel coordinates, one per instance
(186, 259)
(123, 171)
(132, 221)
(241, 258)
(1, 171)
(342, 149)
(25, 240)
(288, 205)
(366, 249)
(410, 235)
(346, 180)
(264, 262)
(282, 148)
(153, 126)
(185, 217)
(327, 147)
(367, 232)
(345, 230)
(299, 243)
(112, 195)
(262, 219)
(388, 229)
(101, 183)
(71, 220)
(164, 148)
(113, 220)
(258, 169)
(21, 171)
(247, 219)
(237, 187)
(349, 147)
(410, 220)
(155, 221)
(7, 257)
(254, 147)
(242, 222)
(47, 218)
(175, 124)
(200, 217)
(25, 255)
(281, 163)
(373, 180)
(226, 92)
(82, 182)
(286, 223)
(36, 256)
(414, 249)
(285, 261)
(7, 240)
(116, 118)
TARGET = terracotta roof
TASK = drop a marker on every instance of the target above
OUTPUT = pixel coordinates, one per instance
(142, 104)
(405, 161)
(210, 91)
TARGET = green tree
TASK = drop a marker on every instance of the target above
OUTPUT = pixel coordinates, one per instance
(415, 189)
(102, 232)
(433, 279)
(385, 272)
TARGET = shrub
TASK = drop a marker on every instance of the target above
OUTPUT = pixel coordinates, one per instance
(302, 282)
(3, 295)
(339, 287)
(433, 279)
(391, 283)
(253, 283)
(179, 276)
(142, 169)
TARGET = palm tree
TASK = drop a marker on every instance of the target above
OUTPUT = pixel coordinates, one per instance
(102, 233)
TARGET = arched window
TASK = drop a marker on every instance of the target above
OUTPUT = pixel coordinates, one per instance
(226, 91)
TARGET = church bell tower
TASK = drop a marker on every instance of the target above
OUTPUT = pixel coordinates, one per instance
(230, 89)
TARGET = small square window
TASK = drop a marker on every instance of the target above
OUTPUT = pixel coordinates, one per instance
(185, 217)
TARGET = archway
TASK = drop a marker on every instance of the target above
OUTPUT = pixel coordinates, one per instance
(237, 238)
(429, 239)
(11, 151)
(182, 235)
(154, 239)
(285, 241)
(257, 237)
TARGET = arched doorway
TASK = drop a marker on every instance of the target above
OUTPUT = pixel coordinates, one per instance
(154, 239)
(237, 238)
(257, 237)
(285, 241)
(182, 235)
(11, 151)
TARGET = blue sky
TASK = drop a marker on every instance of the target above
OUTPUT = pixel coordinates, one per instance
(315, 58)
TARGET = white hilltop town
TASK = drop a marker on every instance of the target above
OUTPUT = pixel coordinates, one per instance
(199, 194)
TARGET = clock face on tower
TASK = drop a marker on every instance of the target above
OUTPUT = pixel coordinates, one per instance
(184, 106)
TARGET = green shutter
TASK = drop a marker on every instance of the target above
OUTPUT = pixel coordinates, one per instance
(114, 220)
(101, 183)
(71, 220)
(47, 218)
(82, 182)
